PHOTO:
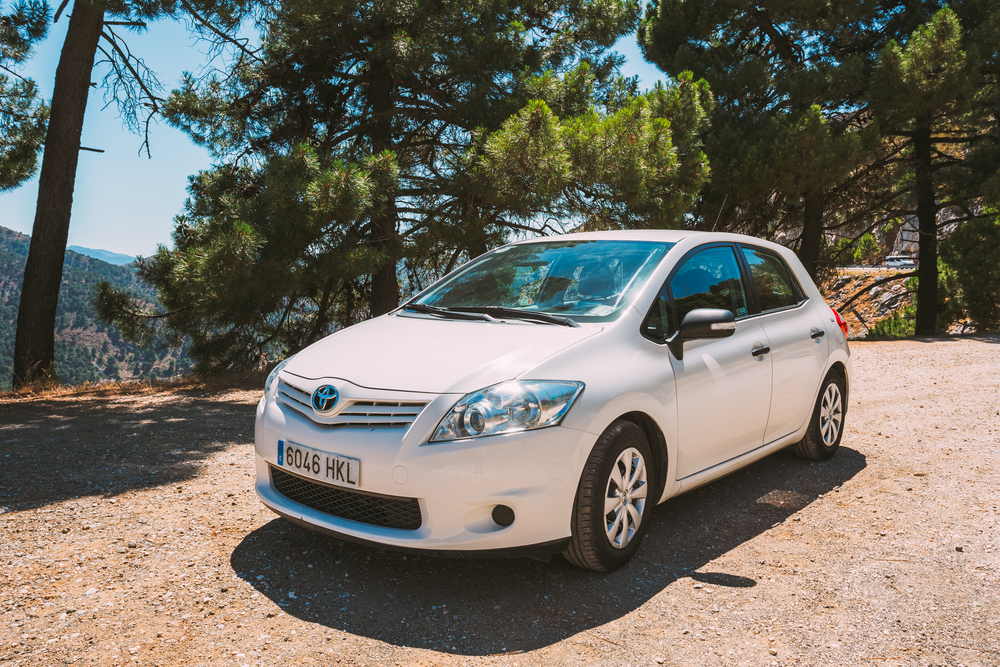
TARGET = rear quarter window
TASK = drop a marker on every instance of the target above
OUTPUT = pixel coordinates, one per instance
(774, 283)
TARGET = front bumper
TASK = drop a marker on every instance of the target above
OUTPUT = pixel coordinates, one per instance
(457, 484)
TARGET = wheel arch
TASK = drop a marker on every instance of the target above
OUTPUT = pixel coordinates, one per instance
(657, 443)
(840, 369)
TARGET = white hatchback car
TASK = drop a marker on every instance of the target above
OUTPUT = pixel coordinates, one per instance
(544, 396)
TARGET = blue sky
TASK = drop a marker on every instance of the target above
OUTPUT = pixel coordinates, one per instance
(123, 201)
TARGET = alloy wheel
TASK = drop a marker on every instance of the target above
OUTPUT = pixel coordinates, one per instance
(831, 414)
(625, 498)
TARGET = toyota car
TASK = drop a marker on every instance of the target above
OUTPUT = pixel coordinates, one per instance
(543, 397)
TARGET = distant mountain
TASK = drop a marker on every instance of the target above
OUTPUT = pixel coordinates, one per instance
(86, 349)
(115, 258)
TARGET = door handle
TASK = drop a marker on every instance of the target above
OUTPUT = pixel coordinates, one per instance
(816, 333)
(757, 351)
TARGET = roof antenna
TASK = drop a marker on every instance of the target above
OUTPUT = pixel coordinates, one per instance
(720, 211)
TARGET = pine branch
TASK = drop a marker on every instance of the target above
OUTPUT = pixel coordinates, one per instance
(223, 36)
(13, 73)
(135, 75)
(898, 276)
(59, 11)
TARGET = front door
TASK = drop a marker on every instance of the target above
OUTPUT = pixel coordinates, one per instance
(723, 386)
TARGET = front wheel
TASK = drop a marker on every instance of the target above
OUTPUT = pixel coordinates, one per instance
(614, 500)
(826, 425)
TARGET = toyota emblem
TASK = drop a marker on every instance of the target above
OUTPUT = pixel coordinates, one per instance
(324, 399)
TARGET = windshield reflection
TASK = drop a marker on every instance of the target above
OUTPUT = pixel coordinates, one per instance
(586, 280)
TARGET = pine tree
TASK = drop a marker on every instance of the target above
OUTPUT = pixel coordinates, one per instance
(411, 137)
(785, 130)
(23, 115)
(935, 97)
(135, 89)
(354, 79)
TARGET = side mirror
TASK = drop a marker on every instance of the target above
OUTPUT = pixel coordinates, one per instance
(702, 323)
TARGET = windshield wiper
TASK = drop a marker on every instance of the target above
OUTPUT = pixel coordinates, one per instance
(515, 314)
(447, 312)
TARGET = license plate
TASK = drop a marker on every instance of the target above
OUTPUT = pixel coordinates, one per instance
(321, 466)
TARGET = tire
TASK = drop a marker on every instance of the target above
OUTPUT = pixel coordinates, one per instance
(606, 533)
(826, 425)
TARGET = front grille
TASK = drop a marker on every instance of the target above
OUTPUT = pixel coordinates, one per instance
(402, 513)
(355, 413)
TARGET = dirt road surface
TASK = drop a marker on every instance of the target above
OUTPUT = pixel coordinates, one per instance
(131, 535)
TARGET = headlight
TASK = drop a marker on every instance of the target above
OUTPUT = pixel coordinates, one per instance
(273, 375)
(517, 405)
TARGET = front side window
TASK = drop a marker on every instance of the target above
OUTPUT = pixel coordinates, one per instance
(775, 287)
(709, 279)
(589, 281)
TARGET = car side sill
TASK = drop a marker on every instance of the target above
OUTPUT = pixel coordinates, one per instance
(734, 464)
(537, 551)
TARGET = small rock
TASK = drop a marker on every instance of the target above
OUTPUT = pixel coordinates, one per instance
(131, 544)
(658, 661)
(90, 591)
(685, 631)
(774, 651)
(960, 549)
(698, 586)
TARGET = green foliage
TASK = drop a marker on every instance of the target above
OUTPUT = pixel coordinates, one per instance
(935, 97)
(924, 76)
(900, 324)
(867, 250)
(23, 115)
(820, 107)
(619, 170)
(265, 273)
(842, 251)
(785, 87)
(973, 252)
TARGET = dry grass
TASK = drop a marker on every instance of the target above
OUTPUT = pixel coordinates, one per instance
(242, 380)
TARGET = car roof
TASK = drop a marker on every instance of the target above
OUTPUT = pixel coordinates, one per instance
(660, 235)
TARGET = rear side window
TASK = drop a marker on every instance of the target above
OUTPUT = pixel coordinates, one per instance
(771, 278)
(709, 279)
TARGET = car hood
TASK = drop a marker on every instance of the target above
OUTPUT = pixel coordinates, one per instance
(425, 354)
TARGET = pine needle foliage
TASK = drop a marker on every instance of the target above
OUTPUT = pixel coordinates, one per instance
(23, 114)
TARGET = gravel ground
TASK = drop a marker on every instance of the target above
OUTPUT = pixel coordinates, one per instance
(132, 535)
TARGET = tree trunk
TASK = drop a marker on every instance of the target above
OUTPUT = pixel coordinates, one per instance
(927, 272)
(385, 237)
(34, 342)
(812, 232)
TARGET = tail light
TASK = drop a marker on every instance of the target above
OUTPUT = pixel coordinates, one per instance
(840, 322)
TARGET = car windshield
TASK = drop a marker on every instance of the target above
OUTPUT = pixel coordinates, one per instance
(588, 281)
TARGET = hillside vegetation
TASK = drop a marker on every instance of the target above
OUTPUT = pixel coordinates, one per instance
(86, 349)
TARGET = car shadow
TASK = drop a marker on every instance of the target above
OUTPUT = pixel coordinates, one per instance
(480, 607)
(53, 450)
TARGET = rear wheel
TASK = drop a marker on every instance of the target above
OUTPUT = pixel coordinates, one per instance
(826, 425)
(614, 500)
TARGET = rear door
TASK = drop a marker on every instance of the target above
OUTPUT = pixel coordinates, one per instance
(798, 340)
